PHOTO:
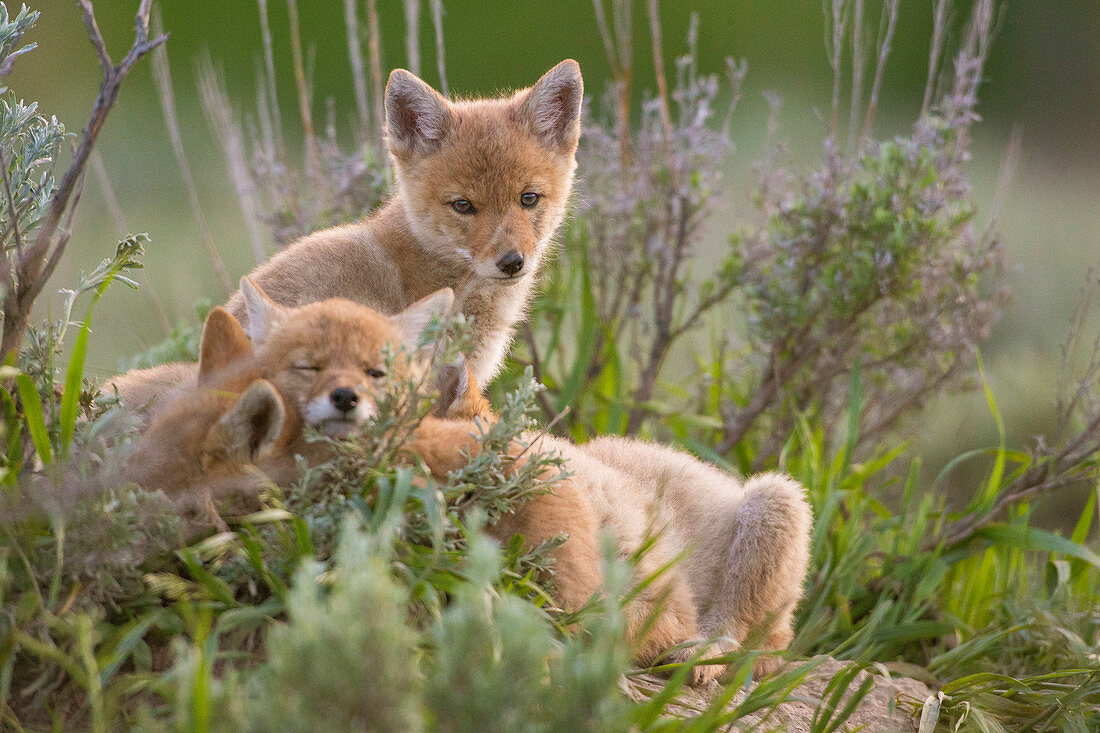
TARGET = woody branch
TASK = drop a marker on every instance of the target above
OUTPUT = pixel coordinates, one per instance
(33, 265)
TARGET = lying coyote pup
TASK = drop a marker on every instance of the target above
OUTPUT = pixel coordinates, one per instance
(222, 441)
(746, 545)
(482, 186)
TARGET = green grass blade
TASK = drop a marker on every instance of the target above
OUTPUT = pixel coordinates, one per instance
(1033, 538)
(74, 380)
(36, 420)
(995, 477)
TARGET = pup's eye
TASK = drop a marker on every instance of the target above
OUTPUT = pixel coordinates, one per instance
(375, 373)
(306, 367)
(529, 199)
(462, 206)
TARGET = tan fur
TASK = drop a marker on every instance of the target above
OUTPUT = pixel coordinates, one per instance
(146, 390)
(745, 545)
(486, 151)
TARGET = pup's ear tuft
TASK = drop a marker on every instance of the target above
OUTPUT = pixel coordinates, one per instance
(552, 107)
(224, 343)
(250, 426)
(411, 322)
(264, 314)
(417, 116)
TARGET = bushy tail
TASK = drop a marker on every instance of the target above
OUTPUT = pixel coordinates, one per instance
(768, 556)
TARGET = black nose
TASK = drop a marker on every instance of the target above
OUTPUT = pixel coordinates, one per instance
(510, 263)
(345, 399)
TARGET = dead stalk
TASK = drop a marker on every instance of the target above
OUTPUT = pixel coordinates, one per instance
(37, 262)
(215, 103)
(301, 83)
(374, 49)
(859, 58)
(886, 35)
(440, 58)
(412, 34)
(162, 75)
(358, 72)
(269, 76)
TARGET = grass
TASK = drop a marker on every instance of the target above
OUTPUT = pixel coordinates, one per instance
(368, 596)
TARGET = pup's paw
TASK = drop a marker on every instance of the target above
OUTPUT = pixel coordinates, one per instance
(700, 674)
(766, 665)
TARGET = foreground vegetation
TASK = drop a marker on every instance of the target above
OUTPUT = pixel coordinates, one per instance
(365, 596)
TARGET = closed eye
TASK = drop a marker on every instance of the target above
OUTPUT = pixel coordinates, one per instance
(306, 367)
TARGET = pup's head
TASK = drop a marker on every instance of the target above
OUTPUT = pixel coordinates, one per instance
(204, 443)
(485, 181)
(328, 359)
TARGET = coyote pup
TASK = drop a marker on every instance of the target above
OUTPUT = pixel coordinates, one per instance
(223, 440)
(745, 545)
(482, 186)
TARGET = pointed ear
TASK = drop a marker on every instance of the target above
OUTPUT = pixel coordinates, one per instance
(264, 314)
(250, 426)
(224, 342)
(552, 107)
(417, 116)
(411, 322)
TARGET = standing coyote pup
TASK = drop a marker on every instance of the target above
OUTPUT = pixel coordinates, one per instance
(482, 186)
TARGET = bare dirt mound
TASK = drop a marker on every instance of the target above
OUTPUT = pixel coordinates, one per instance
(892, 704)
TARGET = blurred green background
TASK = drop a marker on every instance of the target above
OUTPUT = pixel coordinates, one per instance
(1043, 78)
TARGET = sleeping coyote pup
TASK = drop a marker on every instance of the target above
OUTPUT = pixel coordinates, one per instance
(745, 545)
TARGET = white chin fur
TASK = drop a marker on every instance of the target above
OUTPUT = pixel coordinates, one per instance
(489, 271)
(323, 415)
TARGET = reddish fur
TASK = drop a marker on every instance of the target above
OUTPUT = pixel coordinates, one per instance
(746, 545)
(489, 152)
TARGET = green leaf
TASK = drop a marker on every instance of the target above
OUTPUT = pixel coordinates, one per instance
(74, 379)
(36, 421)
(994, 483)
(1033, 538)
(586, 341)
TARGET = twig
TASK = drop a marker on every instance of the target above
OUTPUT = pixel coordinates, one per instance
(838, 17)
(37, 262)
(659, 67)
(358, 73)
(620, 58)
(108, 191)
(302, 85)
(886, 35)
(440, 58)
(269, 76)
(374, 49)
(162, 75)
(215, 103)
(11, 207)
(543, 433)
(9, 62)
(94, 33)
(536, 367)
(859, 58)
(1055, 473)
(939, 37)
(412, 34)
